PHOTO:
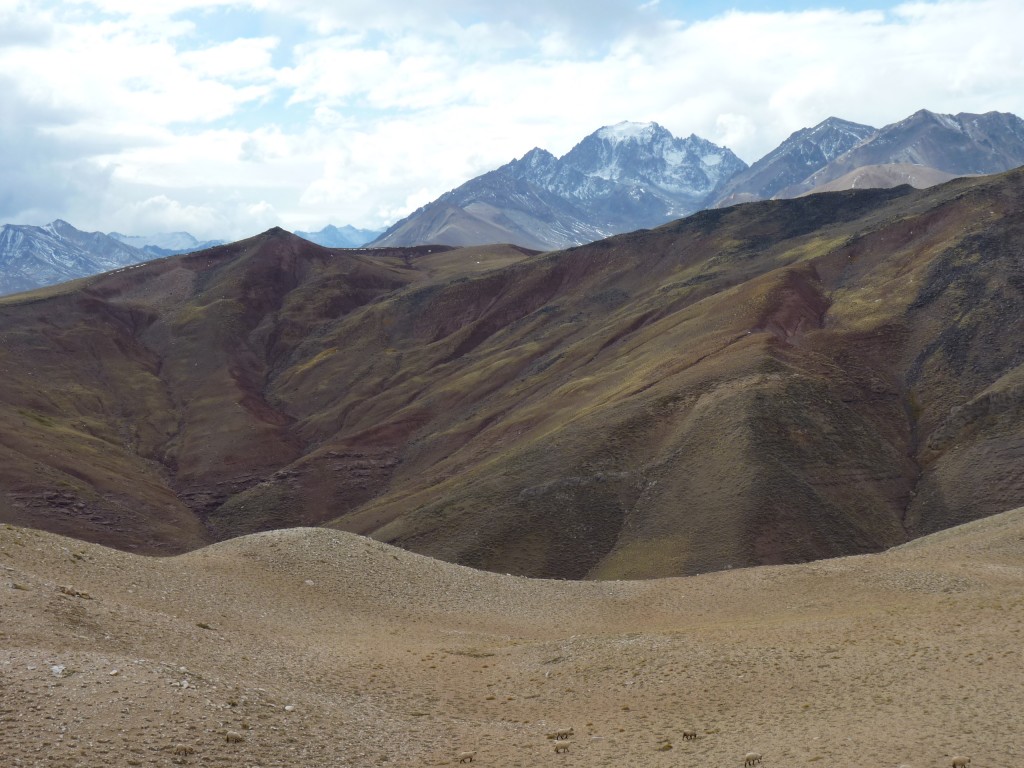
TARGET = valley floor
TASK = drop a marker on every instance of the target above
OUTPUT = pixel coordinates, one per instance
(320, 648)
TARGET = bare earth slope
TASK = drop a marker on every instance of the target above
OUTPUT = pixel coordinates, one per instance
(774, 382)
(319, 648)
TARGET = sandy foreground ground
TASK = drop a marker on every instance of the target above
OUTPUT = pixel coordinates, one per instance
(319, 648)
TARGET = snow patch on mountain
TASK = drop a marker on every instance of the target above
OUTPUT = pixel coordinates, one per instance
(620, 178)
(641, 155)
(32, 257)
(627, 131)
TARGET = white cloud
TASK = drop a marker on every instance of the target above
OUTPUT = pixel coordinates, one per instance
(161, 213)
(314, 111)
(19, 27)
(245, 59)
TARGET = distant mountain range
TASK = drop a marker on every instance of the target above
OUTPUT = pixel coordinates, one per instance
(962, 144)
(951, 145)
(166, 243)
(806, 151)
(637, 175)
(341, 237)
(34, 257)
(619, 178)
(31, 257)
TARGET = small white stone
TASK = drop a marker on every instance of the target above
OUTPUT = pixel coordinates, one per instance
(114, 672)
(289, 708)
(308, 582)
(56, 669)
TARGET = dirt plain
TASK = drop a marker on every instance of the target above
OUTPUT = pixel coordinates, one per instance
(324, 648)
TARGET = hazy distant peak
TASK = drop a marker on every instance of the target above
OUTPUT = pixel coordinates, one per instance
(534, 159)
(57, 226)
(345, 236)
(834, 126)
(926, 116)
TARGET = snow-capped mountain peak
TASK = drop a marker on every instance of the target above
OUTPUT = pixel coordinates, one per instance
(648, 156)
(619, 178)
(627, 131)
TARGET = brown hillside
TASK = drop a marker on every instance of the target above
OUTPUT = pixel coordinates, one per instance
(768, 383)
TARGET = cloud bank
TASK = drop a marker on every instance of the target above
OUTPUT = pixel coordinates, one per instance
(226, 118)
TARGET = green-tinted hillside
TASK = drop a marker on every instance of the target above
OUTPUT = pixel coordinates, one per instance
(772, 382)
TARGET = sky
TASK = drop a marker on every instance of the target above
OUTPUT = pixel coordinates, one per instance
(224, 118)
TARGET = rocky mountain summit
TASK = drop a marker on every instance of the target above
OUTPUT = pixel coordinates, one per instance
(620, 178)
(962, 144)
(637, 175)
(802, 154)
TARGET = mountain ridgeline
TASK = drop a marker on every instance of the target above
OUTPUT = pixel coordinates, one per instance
(619, 178)
(637, 175)
(773, 382)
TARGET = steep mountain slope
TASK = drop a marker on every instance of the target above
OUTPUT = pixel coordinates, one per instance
(803, 153)
(497, 207)
(620, 178)
(768, 383)
(134, 402)
(961, 144)
(31, 257)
